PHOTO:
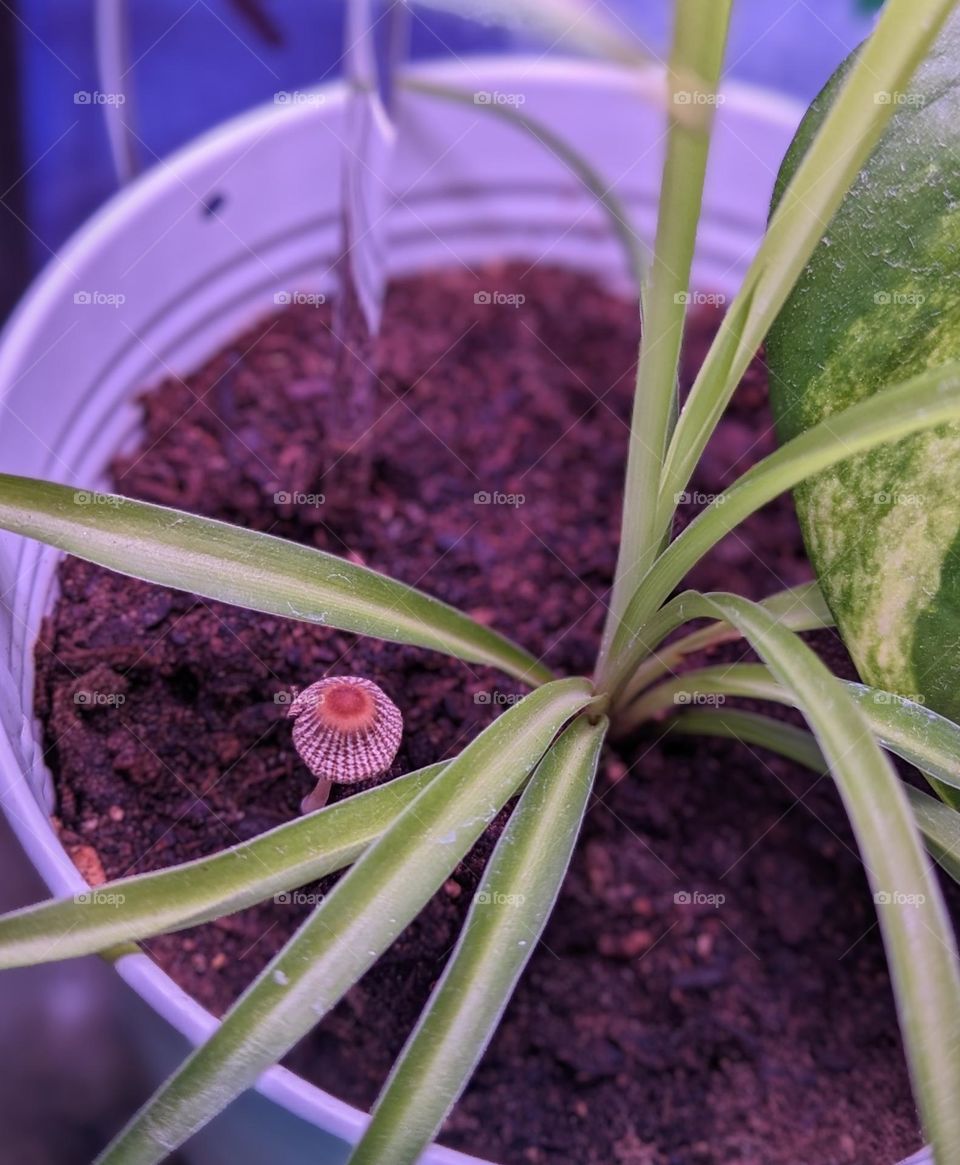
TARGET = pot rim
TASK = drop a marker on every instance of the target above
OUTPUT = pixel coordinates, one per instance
(27, 818)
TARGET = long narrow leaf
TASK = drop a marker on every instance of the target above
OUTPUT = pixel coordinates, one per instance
(696, 58)
(579, 166)
(919, 735)
(796, 744)
(248, 569)
(921, 950)
(852, 128)
(801, 608)
(939, 823)
(924, 738)
(351, 928)
(923, 402)
(505, 922)
(275, 862)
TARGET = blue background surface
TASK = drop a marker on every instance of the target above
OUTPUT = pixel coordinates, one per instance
(200, 61)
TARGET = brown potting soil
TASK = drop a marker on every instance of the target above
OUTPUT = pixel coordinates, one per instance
(711, 987)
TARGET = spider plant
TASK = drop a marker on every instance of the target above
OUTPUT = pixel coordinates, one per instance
(400, 841)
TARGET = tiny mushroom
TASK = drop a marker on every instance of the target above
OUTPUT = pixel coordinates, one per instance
(347, 729)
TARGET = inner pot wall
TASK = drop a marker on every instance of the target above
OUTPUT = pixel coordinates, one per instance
(471, 189)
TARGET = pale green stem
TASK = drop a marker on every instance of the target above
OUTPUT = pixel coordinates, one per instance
(575, 162)
(696, 58)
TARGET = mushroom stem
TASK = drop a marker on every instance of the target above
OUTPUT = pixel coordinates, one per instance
(318, 798)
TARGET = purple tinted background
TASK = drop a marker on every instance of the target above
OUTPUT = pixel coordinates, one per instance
(200, 61)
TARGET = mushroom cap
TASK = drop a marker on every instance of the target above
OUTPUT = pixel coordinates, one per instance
(347, 729)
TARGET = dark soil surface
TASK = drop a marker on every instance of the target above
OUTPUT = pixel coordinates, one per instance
(756, 1026)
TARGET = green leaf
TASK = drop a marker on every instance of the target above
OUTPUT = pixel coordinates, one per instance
(275, 862)
(921, 951)
(696, 59)
(800, 608)
(796, 744)
(916, 733)
(939, 823)
(920, 736)
(505, 922)
(855, 123)
(595, 184)
(752, 681)
(364, 913)
(879, 301)
(248, 569)
(928, 400)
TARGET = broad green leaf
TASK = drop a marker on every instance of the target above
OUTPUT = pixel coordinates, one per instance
(364, 913)
(696, 59)
(878, 302)
(505, 922)
(848, 135)
(928, 400)
(275, 862)
(920, 946)
(597, 186)
(939, 823)
(248, 569)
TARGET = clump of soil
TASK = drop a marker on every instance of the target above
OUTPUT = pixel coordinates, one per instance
(711, 987)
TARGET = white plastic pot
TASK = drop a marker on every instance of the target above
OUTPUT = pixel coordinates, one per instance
(155, 282)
